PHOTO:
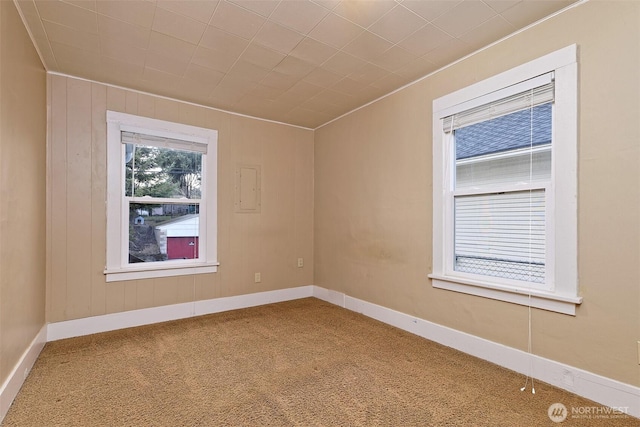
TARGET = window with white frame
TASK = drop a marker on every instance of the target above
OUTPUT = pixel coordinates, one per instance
(161, 198)
(505, 186)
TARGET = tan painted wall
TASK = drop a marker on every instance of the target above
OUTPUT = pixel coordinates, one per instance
(269, 242)
(22, 189)
(373, 203)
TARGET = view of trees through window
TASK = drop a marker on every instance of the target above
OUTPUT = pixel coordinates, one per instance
(162, 172)
(161, 230)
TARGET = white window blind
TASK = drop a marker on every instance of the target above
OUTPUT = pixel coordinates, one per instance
(501, 235)
(162, 142)
(520, 101)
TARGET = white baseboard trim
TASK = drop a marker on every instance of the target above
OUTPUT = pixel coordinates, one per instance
(9, 390)
(600, 389)
(128, 319)
(603, 390)
(218, 305)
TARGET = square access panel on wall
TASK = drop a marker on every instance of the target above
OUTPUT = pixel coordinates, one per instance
(247, 198)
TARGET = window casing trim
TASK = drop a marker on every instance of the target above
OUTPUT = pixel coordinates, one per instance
(565, 304)
(117, 267)
(562, 289)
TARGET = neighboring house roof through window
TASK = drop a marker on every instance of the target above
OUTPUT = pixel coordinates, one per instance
(505, 133)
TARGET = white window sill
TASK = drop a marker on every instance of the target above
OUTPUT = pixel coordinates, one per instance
(565, 304)
(116, 275)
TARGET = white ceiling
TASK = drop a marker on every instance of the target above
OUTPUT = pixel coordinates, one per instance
(302, 62)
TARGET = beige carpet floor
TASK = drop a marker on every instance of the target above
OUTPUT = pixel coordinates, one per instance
(303, 363)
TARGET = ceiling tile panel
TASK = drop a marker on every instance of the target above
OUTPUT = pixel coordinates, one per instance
(292, 100)
(294, 67)
(492, 30)
(125, 33)
(368, 73)
(200, 10)
(120, 71)
(308, 118)
(465, 16)
(85, 4)
(331, 97)
(71, 37)
(265, 92)
(168, 64)
(449, 52)
(277, 37)
(367, 46)
(262, 56)
(178, 26)
(501, 5)
(280, 107)
(204, 75)
(327, 4)
(251, 105)
(137, 12)
(171, 46)
(424, 40)
(343, 64)
(394, 58)
(305, 89)
(349, 86)
(389, 82)
(527, 12)
(301, 16)
(68, 15)
(321, 77)
(218, 61)
(335, 31)
(416, 69)
(431, 9)
(195, 91)
(313, 51)
(221, 41)
(261, 7)
(278, 81)
(236, 20)
(153, 78)
(319, 105)
(248, 71)
(397, 24)
(224, 96)
(364, 13)
(239, 85)
(114, 48)
(373, 93)
(78, 62)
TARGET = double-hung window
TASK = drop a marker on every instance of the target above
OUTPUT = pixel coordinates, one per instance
(505, 193)
(161, 198)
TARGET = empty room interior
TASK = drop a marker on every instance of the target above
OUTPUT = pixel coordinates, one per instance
(462, 176)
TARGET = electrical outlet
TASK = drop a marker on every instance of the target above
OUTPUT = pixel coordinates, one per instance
(300, 262)
(257, 278)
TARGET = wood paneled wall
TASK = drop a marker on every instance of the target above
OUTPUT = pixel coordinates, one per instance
(268, 242)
